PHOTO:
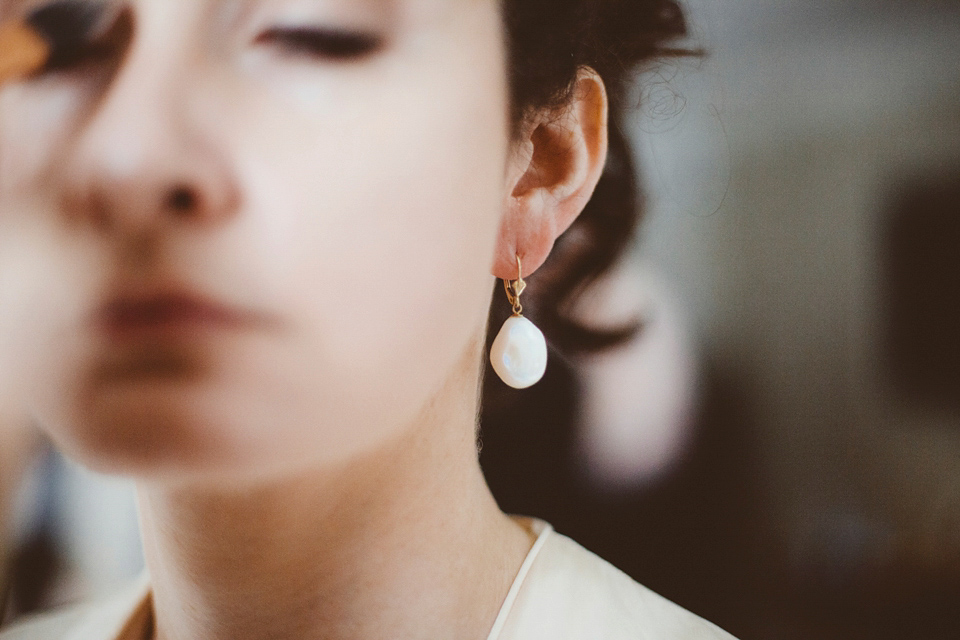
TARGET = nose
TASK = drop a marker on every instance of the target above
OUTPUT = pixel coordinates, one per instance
(144, 155)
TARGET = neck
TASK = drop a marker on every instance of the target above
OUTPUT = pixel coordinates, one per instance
(407, 542)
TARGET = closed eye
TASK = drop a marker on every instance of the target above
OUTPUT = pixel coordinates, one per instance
(322, 43)
(67, 60)
(82, 36)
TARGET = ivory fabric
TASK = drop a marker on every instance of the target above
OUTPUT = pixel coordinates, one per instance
(568, 593)
(562, 592)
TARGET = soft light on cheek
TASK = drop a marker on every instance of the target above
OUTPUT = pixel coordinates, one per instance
(35, 128)
(45, 273)
(46, 282)
(370, 215)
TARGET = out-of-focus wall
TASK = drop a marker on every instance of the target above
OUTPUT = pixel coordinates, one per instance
(773, 184)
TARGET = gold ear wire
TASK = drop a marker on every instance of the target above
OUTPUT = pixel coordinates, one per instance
(519, 352)
(515, 288)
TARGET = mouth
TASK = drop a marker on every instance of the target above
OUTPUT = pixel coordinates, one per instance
(170, 314)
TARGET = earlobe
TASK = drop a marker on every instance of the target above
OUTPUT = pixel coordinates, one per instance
(555, 165)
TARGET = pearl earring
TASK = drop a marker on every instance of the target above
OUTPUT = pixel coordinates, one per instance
(519, 352)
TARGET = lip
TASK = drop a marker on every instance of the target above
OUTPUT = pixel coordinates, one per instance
(169, 313)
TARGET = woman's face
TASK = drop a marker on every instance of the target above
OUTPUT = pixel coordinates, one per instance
(266, 226)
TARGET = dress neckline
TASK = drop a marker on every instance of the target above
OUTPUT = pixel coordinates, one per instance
(542, 531)
(138, 624)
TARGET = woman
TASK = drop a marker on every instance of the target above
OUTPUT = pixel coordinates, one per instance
(275, 226)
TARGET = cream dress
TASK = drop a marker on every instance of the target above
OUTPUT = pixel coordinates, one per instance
(562, 592)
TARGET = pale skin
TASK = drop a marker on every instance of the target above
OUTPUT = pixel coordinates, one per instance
(313, 474)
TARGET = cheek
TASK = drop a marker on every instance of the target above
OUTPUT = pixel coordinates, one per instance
(377, 222)
(47, 272)
(47, 278)
(36, 121)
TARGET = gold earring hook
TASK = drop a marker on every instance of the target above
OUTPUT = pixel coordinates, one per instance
(515, 288)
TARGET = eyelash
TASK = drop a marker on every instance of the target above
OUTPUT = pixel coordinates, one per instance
(92, 53)
(322, 43)
(319, 43)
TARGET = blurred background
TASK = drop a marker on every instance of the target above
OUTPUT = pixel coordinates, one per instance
(779, 450)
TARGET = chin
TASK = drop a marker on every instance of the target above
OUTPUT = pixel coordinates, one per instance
(141, 431)
(232, 418)
(198, 435)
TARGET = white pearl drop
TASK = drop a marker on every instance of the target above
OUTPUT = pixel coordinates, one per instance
(519, 353)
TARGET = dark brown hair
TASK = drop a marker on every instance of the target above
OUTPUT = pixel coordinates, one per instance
(548, 42)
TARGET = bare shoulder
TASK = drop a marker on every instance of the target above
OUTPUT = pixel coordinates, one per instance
(571, 593)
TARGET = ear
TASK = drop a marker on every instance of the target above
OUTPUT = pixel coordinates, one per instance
(554, 167)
